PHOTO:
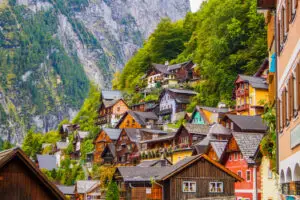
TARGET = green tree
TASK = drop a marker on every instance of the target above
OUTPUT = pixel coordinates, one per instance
(32, 143)
(112, 191)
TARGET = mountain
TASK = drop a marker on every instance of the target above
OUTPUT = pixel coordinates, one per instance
(50, 50)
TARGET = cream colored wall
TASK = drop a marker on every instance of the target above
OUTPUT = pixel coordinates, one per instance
(270, 187)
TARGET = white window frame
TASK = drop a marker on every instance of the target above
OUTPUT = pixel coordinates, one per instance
(270, 174)
(247, 175)
(189, 186)
(296, 90)
(216, 182)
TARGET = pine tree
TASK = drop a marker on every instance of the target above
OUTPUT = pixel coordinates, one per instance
(112, 191)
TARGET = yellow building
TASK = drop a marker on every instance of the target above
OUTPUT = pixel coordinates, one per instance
(269, 181)
(180, 154)
(250, 94)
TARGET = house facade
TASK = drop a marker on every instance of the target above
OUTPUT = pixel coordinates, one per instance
(79, 136)
(288, 95)
(135, 119)
(172, 101)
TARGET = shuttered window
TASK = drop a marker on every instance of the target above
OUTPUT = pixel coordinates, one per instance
(285, 12)
(283, 108)
(287, 108)
(278, 37)
(295, 95)
(291, 98)
(278, 116)
(289, 10)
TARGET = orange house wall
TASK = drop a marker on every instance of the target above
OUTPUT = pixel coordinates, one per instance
(99, 146)
(123, 108)
(130, 124)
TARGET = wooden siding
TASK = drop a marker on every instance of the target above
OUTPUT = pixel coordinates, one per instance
(101, 141)
(125, 148)
(129, 122)
(202, 172)
(18, 182)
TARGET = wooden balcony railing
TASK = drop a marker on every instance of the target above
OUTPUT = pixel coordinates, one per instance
(242, 107)
(266, 4)
(242, 92)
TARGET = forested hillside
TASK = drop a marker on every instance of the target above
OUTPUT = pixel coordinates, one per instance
(50, 51)
(224, 38)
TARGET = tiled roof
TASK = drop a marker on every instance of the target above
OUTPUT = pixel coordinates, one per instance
(215, 110)
(47, 162)
(138, 173)
(66, 190)
(248, 144)
(219, 129)
(197, 128)
(109, 103)
(161, 138)
(255, 82)
(86, 185)
(113, 133)
(154, 131)
(248, 123)
(111, 94)
(219, 147)
(62, 145)
(133, 134)
(161, 68)
(155, 163)
(182, 91)
(201, 146)
(142, 117)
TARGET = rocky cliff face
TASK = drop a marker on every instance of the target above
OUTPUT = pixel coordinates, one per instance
(51, 49)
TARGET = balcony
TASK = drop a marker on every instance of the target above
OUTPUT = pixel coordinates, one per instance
(266, 4)
(242, 92)
(102, 120)
(242, 107)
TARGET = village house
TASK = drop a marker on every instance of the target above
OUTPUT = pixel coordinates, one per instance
(59, 150)
(105, 137)
(148, 106)
(112, 108)
(186, 136)
(172, 101)
(21, 179)
(208, 115)
(162, 162)
(171, 75)
(108, 155)
(240, 159)
(195, 177)
(135, 119)
(250, 93)
(67, 129)
(216, 149)
(241, 123)
(127, 147)
(88, 189)
(78, 139)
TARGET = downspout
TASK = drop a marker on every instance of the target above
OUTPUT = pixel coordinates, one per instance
(255, 183)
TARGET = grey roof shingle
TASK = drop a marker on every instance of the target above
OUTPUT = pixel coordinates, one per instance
(138, 173)
(133, 134)
(219, 129)
(109, 103)
(66, 190)
(201, 146)
(86, 185)
(197, 128)
(248, 123)
(256, 82)
(161, 68)
(111, 94)
(182, 91)
(169, 136)
(47, 162)
(142, 117)
(248, 144)
(113, 133)
(215, 110)
(219, 147)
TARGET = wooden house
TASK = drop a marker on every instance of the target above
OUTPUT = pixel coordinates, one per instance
(79, 136)
(135, 119)
(241, 123)
(148, 106)
(207, 115)
(216, 149)
(87, 189)
(105, 137)
(240, 159)
(249, 92)
(194, 177)
(21, 179)
(108, 155)
(156, 76)
(186, 136)
(172, 101)
(59, 150)
(127, 151)
(111, 111)
(198, 117)
(67, 129)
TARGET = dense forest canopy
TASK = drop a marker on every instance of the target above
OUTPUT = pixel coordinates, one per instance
(224, 38)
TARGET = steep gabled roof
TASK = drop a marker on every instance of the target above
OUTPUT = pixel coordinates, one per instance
(8, 155)
(66, 190)
(111, 94)
(139, 117)
(169, 136)
(248, 144)
(177, 66)
(197, 109)
(219, 129)
(84, 186)
(255, 82)
(201, 129)
(161, 68)
(219, 147)
(201, 146)
(215, 110)
(113, 133)
(109, 147)
(248, 123)
(133, 134)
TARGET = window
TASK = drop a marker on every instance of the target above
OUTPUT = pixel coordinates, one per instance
(133, 122)
(185, 140)
(281, 115)
(239, 173)
(127, 123)
(241, 156)
(248, 175)
(189, 186)
(230, 158)
(270, 174)
(236, 155)
(118, 109)
(295, 95)
(287, 105)
(216, 187)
